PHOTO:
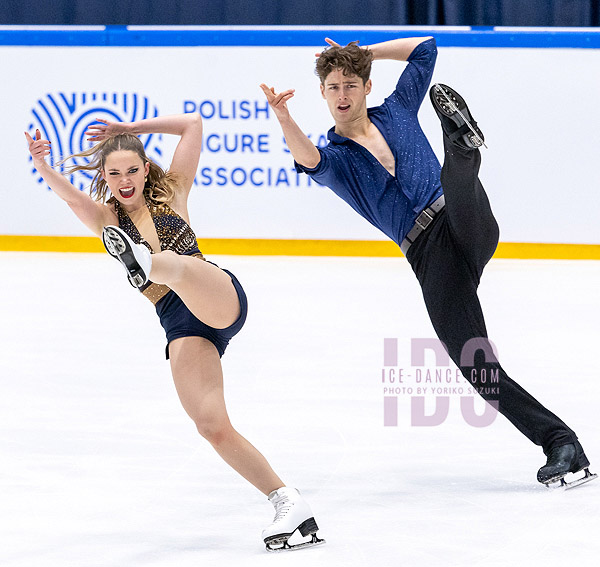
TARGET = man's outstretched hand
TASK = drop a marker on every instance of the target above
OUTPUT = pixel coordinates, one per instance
(278, 101)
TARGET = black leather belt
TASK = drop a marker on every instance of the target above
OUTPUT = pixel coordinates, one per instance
(422, 222)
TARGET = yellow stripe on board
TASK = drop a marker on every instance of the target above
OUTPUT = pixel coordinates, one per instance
(543, 251)
(267, 247)
(23, 243)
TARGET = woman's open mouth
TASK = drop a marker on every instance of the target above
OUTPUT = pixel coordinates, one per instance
(127, 192)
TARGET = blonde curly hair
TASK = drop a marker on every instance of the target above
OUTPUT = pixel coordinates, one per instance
(160, 186)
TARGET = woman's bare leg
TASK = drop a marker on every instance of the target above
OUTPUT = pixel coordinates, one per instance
(198, 377)
(206, 290)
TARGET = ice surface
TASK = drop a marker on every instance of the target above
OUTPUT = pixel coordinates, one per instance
(99, 465)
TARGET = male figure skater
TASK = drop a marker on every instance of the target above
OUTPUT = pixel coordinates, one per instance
(379, 161)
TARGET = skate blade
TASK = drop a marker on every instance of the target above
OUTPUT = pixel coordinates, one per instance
(564, 485)
(454, 108)
(118, 249)
(113, 243)
(285, 546)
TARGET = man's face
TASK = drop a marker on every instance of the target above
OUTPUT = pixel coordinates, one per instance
(346, 96)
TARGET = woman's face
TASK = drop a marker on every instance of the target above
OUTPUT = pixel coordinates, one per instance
(125, 173)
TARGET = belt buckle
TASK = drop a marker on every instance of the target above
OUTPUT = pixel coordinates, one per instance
(424, 221)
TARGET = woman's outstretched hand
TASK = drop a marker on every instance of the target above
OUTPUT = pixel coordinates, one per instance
(38, 148)
(105, 129)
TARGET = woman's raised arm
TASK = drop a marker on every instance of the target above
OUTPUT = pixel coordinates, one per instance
(187, 126)
(91, 213)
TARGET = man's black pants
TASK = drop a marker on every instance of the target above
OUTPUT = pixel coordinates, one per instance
(448, 260)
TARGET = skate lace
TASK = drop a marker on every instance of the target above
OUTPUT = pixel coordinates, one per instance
(281, 509)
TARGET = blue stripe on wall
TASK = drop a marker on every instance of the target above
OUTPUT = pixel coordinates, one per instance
(121, 36)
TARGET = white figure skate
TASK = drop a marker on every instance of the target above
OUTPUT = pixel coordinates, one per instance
(292, 513)
(135, 258)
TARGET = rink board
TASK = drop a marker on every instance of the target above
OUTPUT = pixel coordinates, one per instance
(532, 91)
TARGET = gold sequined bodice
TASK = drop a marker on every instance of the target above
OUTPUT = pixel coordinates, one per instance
(173, 234)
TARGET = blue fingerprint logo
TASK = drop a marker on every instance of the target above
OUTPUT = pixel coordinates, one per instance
(63, 119)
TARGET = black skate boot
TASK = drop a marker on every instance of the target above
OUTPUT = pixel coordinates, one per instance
(563, 460)
(457, 122)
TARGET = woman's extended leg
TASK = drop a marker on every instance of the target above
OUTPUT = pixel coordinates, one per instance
(206, 290)
(198, 377)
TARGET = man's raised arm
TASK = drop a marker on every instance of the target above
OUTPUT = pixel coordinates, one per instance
(396, 49)
(302, 149)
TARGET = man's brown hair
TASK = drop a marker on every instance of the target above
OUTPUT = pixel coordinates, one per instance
(352, 60)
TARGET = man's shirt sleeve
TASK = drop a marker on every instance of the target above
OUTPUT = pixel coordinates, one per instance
(322, 172)
(414, 81)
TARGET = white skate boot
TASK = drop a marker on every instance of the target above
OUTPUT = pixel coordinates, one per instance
(292, 513)
(135, 258)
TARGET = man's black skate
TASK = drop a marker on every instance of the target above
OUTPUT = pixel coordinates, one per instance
(457, 122)
(562, 460)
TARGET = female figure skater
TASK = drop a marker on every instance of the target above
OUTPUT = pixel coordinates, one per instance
(145, 225)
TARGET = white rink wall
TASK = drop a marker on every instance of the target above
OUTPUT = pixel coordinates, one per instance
(536, 106)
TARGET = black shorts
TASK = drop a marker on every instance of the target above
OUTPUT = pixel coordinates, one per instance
(178, 321)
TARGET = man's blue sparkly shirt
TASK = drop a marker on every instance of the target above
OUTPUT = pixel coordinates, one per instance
(391, 203)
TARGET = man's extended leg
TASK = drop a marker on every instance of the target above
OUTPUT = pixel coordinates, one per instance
(469, 213)
(450, 292)
(448, 261)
